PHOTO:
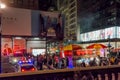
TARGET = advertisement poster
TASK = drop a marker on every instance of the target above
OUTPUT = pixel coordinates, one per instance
(109, 33)
(100, 34)
(118, 32)
(7, 46)
(19, 45)
(51, 25)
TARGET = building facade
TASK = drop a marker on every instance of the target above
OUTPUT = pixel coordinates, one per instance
(69, 9)
(22, 28)
(97, 14)
(99, 19)
(86, 18)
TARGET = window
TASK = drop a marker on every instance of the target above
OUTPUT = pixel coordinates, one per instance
(31, 2)
(20, 1)
(72, 5)
(73, 15)
(72, 10)
(72, 26)
(72, 20)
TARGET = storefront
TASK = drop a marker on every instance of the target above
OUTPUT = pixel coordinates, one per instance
(29, 30)
(23, 45)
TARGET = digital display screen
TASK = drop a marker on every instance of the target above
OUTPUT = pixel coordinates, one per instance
(112, 32)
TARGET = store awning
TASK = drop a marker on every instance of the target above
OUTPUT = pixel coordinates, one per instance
(96, 46)
(72, 47)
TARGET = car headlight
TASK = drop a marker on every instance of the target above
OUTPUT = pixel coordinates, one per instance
(15, 60)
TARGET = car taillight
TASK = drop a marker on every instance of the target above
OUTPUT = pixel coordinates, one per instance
(33, 69)
(23, 70)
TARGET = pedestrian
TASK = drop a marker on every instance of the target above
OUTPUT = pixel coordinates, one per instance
(40, 62)
(50, 63)
(56, 59)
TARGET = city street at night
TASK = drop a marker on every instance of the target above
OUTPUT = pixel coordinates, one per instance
(59, 40)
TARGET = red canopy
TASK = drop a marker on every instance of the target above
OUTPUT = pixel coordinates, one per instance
(96, 46)
(68, 50)
(80, 52)
(75, 47)
(68, 53)
(72, 47)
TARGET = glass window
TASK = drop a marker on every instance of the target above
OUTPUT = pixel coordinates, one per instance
(73, 20)
(72, 10)
(72, 5)
(20, 1)
(73, 15)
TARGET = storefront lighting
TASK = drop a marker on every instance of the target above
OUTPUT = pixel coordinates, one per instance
(36, 38)
(18, 37)
(57, 50)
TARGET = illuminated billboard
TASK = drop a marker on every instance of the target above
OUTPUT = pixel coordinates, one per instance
(6, 46)
(112, 32)
(19, 45)
(16, 21)
(51, 25)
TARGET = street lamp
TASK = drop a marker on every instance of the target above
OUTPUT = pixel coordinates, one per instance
(2, 6)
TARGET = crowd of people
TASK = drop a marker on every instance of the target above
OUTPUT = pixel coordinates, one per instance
(99, 61)
(44, 62)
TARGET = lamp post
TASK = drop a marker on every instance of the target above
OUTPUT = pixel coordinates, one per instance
(2, 6)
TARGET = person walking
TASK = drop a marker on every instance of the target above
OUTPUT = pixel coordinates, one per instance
(40, 62)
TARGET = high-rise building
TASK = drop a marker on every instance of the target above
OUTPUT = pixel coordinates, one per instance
(99, 21)
(92, 21)
(98, 14)
(69, 9)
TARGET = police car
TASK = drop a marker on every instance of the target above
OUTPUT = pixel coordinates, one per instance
(25, 65)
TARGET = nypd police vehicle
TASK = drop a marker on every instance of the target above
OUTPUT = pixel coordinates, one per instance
(25, 65)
